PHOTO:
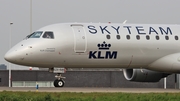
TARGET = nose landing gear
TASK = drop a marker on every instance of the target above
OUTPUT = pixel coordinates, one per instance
(59, 82)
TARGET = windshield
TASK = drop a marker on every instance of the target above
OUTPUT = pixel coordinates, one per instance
(35, 35)
(48, 35)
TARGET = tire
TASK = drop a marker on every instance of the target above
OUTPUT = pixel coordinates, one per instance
(55, 83)
(58, 83)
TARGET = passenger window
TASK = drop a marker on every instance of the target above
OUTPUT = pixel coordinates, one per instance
(157, 37)
(128, 37)
(138, 37)
(118, 36)
(176, 37)
(147, 37)
(108, 36)
(167, 37)
(48, 35)
(35, 35)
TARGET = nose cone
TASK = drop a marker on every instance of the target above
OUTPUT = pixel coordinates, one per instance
(10, 57)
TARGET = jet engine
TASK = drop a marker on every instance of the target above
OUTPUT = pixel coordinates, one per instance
(143, 75)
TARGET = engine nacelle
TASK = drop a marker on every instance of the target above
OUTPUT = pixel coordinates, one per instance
(143, 75)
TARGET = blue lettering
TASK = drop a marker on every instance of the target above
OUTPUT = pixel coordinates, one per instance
(92, 54)
(111, 55)
(117, 29)
(128, 27)
(139, 29)
(92, 29)
(99, 55)
(104, 29)
(151, 29)
(168, 30)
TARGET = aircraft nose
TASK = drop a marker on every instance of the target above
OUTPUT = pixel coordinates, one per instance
(10, 57)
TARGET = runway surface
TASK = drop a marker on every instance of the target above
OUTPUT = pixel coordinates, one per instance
(90, 89)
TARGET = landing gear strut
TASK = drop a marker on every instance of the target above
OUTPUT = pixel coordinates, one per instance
(59, 82)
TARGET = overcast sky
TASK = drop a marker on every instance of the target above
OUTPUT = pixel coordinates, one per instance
(45, 12)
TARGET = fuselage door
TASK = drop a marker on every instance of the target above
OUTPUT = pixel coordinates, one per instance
(80, 43)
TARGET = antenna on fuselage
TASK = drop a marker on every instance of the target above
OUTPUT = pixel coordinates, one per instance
(124, 21)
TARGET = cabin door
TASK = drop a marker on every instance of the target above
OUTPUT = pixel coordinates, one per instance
(80, 43)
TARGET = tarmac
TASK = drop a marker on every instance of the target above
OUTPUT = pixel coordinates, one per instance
(90, 89)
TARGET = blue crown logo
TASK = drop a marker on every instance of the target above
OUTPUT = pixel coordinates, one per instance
(104, 46)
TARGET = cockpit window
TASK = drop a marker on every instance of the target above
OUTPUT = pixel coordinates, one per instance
(35, 35)
(48, 35)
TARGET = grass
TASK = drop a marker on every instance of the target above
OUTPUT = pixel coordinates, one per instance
(67, 96)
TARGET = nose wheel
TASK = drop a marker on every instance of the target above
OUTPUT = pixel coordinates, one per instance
(59, 83)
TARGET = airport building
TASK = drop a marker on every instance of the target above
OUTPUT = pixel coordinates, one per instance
(78, 78)
(3, 67)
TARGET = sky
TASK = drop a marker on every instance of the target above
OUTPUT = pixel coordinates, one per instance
(46, 12)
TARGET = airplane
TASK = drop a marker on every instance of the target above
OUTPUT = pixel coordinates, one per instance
(145, 52)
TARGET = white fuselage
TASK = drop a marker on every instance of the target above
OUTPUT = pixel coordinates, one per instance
(97, 45)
